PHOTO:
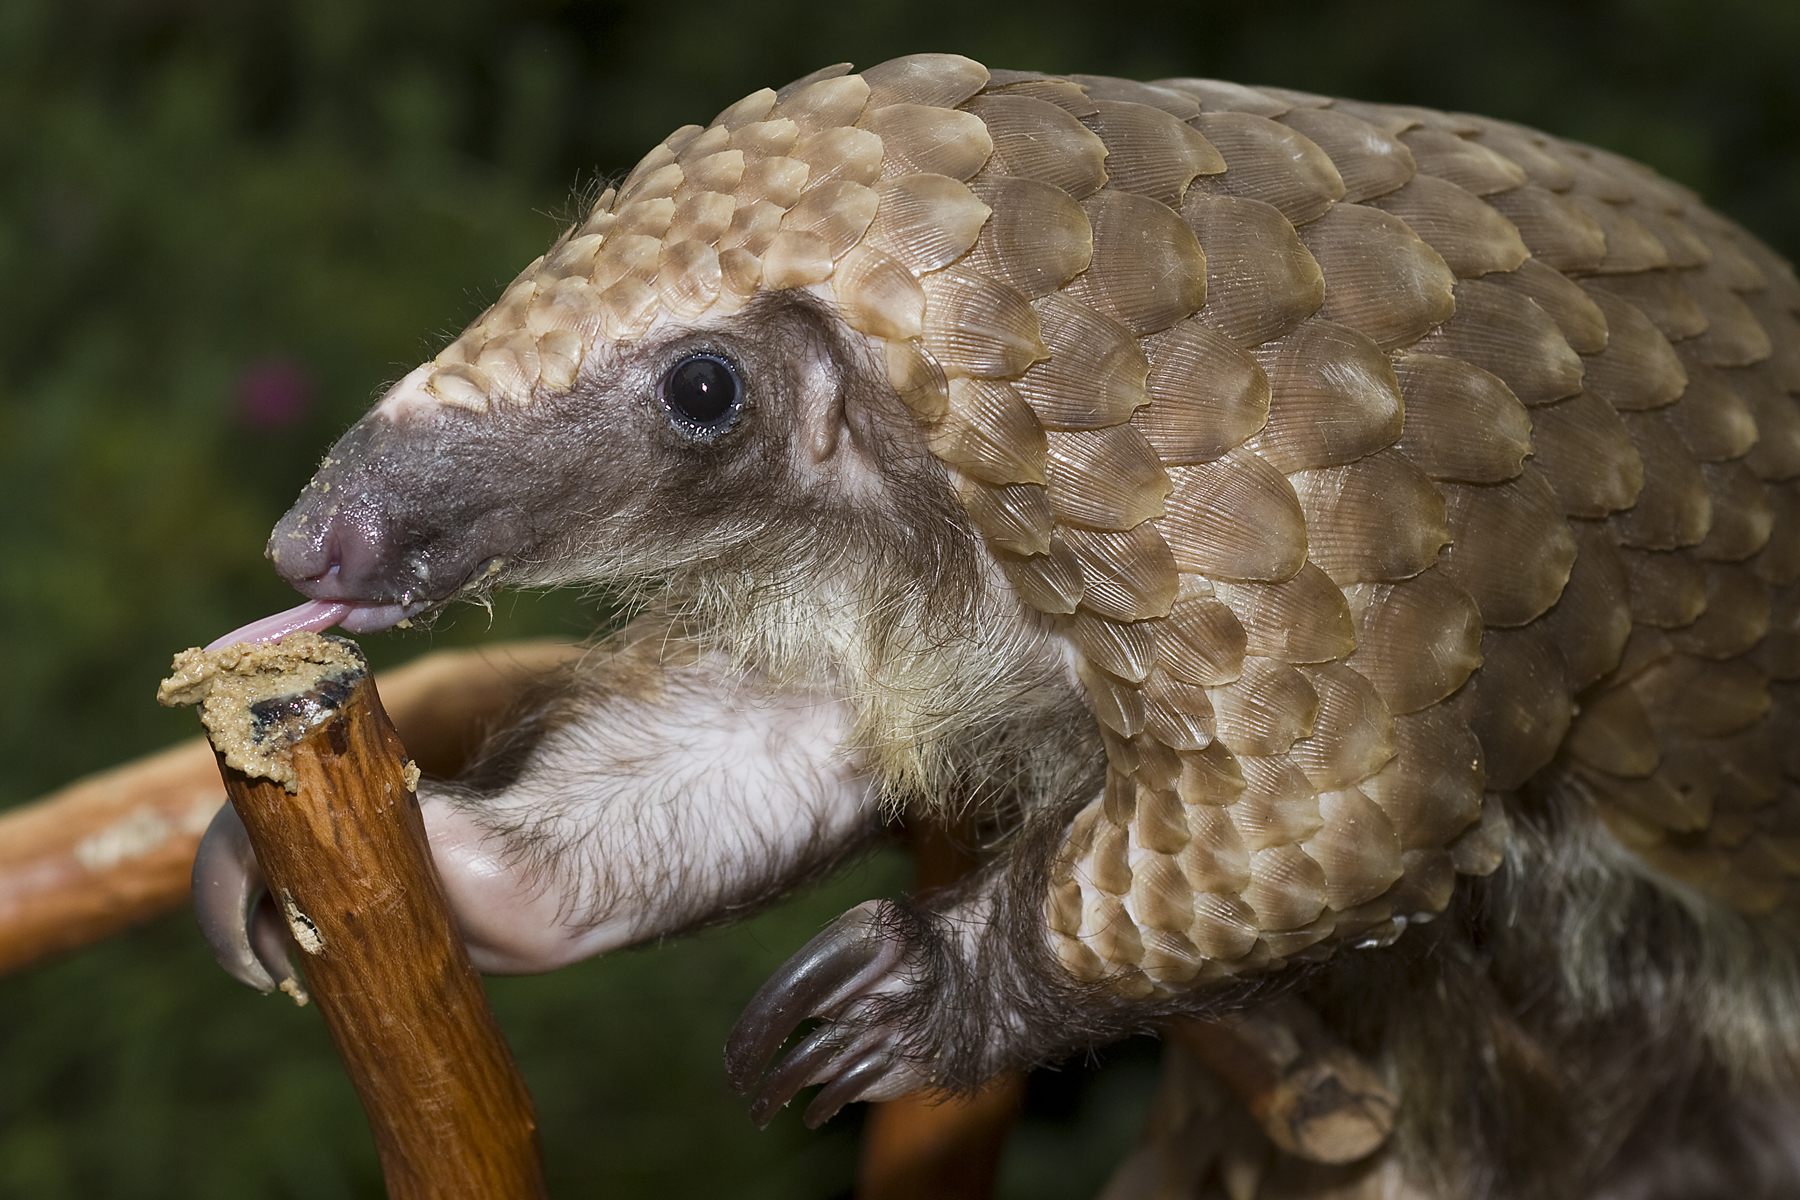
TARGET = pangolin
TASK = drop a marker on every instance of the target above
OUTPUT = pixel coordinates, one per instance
(1332, 549)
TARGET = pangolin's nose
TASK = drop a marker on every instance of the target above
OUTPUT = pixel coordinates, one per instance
(335, 552)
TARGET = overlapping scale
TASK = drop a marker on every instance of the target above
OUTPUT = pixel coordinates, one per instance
(1667, 590)
(1776, 455)
(1370, 161)
(991, 433)
(978, 327)
(1105, 478)
(1711, 418)
(1526, 148)
(1130, 574)
(825, 102)
(1591, 620)
(1268, 161)
(1131, 91)
(1662, 296)
(1461, 423)
(1261, 279)
(1050, 581)
(1586, 453)
(1743, 517)
(1463, 161)
(1380, 278)
(1577, 317)
(1236, 517)
(1279, 805)
(877, 295)
(1201, 642)
(943, 80)
(1268, 707)
(1511, 548)
(1674, 509)
(1511, 336)
(1065, 94)
(1287, 888)
(1356, 848)
(1299, 620)
(926, 221)
(1378, 518)
(1095, 373)
(1520, 705)
(1471, 237)
(1557, 232)
(1735, 618)
(1219, 95)
(1148, 270)
(843, 153)
(1629, 246)
(1639, 369)
(1206, 394)
(1431, 789)
(1036, 239)
(1733, 337)
(921, 139)
(1017, 518)
(1033, 139)
(1417, 640)
(1333, 398)
(1353, 733)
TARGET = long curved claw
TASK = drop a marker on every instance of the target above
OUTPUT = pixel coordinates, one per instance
(849, 1086)
(235, 915)
(812, 1061)
(854, 951)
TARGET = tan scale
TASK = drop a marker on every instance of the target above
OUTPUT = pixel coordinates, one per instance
(1370, 459)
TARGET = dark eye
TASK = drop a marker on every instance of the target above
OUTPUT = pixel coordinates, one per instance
(704, 394)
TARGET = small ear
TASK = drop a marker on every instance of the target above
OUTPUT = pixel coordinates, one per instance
(823, 389)
(829, 428)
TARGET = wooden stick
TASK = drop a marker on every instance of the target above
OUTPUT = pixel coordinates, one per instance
(116, 849)
(924, 1146)
(350, 869)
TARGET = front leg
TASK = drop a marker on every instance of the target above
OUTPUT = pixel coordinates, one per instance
(660, 787)
(664, 789)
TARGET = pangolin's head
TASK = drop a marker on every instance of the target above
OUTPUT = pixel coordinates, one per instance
(771, 320)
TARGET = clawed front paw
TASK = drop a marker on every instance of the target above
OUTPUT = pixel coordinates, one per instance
(855, 978)
(236, 915)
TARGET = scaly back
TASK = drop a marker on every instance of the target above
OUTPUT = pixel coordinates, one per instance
(1372, 458)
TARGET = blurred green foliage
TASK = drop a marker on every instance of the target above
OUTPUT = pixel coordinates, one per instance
(224, 226)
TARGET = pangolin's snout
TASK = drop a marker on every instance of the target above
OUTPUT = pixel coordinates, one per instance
(395, 521)
(350, 554)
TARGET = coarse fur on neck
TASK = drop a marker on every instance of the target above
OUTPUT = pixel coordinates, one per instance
(906, 616)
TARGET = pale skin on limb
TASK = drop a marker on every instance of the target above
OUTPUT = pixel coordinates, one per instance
(1285, 522)
(754, 788)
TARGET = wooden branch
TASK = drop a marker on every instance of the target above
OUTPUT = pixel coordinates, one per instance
(324, 787)
(1310, 1093)
(930, 1147)
(115, 849)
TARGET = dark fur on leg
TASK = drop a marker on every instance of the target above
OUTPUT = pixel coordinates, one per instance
(1578, 1028)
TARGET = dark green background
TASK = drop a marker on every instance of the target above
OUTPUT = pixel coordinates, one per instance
(199, 194)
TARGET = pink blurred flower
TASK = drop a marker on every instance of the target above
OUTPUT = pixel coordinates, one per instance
(273, 394)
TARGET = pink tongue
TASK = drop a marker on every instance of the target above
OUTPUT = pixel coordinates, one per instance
(311, 617)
